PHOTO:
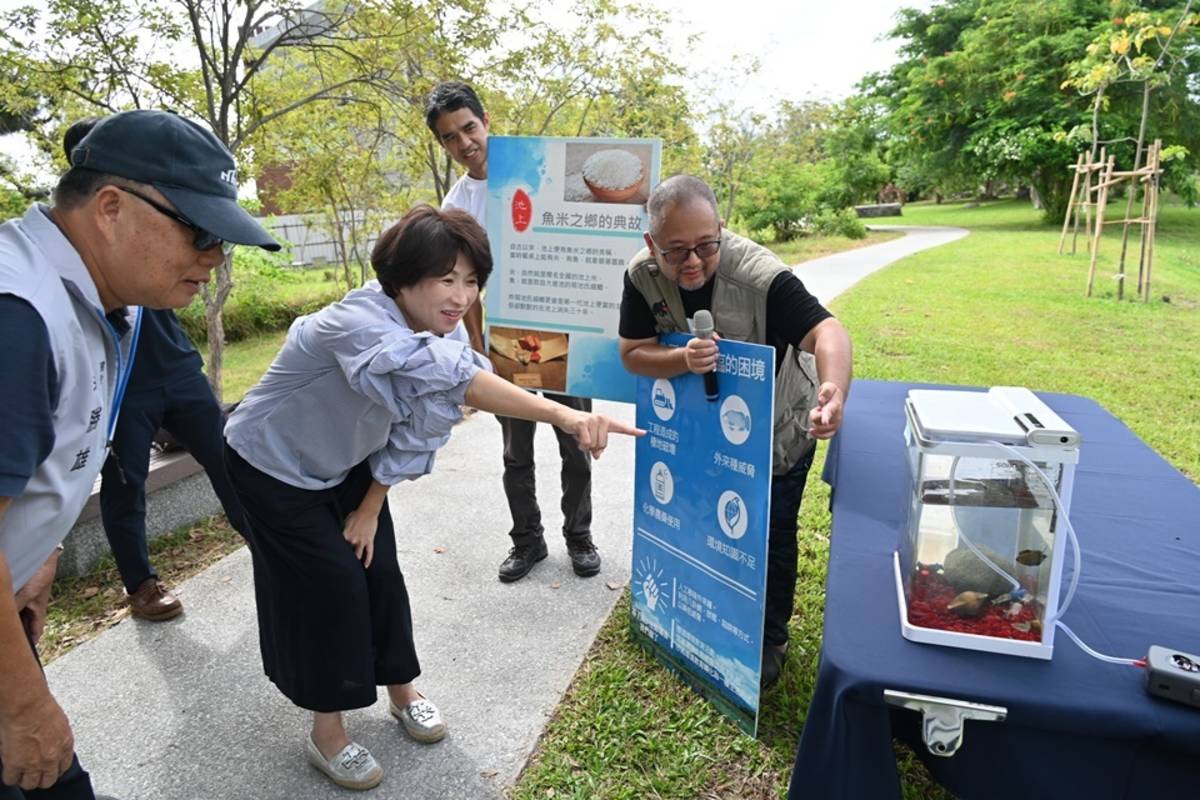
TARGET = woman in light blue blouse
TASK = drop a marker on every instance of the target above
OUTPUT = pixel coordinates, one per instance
(361, 397)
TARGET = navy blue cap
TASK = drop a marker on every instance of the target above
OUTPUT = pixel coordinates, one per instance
(180, 158)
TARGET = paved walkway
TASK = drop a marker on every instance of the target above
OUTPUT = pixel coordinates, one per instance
(181, 710)
(830, 276)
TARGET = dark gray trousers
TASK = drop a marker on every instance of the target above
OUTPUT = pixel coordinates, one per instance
(519, 479)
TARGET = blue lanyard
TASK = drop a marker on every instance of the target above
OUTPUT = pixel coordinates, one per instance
(123, 370)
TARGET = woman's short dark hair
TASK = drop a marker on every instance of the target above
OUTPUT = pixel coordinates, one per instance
(448, 97)
(425, 243)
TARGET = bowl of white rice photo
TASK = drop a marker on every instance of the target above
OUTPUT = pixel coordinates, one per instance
(613, 175)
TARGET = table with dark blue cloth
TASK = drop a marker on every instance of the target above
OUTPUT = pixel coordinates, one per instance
(1076, 726)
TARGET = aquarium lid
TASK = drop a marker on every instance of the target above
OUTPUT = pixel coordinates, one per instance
(1007, 414)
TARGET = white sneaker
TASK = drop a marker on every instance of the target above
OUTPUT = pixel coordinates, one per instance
(421, 719)
(353, 768)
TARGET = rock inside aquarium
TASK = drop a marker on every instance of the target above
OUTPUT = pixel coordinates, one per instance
(966, 572)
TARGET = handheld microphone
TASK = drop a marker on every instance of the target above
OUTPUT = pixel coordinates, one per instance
(702, 323)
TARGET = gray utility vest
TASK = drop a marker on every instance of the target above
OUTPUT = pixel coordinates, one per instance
(739, 308)
(40, 266)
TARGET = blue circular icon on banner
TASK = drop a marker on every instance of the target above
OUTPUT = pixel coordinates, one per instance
(733, 511)
(735, 419)
(731, 514)
(662, 399)
(662, 483)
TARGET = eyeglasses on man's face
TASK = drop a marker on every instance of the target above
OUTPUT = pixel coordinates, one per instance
(677, 256)
(201, 239)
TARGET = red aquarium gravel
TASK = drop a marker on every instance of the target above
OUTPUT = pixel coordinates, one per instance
(927, 608)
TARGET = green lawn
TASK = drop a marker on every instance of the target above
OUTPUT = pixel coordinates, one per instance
(797, 251)
(247, 360)
(1002, 307)
(999, 307)
(308, 284)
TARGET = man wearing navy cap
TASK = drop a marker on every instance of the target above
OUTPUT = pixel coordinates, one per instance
(147, 210)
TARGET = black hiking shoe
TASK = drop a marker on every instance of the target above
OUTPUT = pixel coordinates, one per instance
(521, 559)
(584, 558)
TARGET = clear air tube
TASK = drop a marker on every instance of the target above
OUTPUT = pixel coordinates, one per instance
(1053, 617)
(962, 535)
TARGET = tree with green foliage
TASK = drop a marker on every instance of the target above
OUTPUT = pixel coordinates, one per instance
(735, 137)
(780, 199)
(345, 177)
(851, 152)
(1144, 49)
(12, 203)
(357, 163)
(980, 94)
(809, 166)
(88, 57)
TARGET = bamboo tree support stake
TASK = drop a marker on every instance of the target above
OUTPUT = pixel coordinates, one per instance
(1101, 203)
(1090, 165)
(1143, 231)
(1094, 168)
(1153, 216)
(1072, 208)
(1137, 164)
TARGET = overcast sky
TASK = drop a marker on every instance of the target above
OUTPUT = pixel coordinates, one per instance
(807, 49)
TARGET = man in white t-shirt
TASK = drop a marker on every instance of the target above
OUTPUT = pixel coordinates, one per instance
(456, 117)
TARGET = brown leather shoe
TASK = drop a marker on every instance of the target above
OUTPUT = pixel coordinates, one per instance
(152, 601)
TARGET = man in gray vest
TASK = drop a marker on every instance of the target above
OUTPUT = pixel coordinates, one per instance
(691, 263)
(146, 211)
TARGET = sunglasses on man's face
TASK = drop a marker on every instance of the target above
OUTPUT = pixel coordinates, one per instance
(201, 239)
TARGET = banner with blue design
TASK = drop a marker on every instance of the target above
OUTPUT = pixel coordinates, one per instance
(565, 216)
(702, 497)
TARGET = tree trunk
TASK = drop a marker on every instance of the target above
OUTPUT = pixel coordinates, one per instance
(353, 250)
(1096, 122)
(343, 256)
(214, 322)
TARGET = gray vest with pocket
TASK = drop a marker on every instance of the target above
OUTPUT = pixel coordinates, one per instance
(39, 265)
(739, 307)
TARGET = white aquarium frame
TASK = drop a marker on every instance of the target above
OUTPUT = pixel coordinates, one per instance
(1056, 443)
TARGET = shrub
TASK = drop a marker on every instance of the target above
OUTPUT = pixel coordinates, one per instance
(259, 302)
(843, 222)
(780, 200)
(802, 199)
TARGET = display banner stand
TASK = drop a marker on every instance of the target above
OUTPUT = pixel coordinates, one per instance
(702, 498)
